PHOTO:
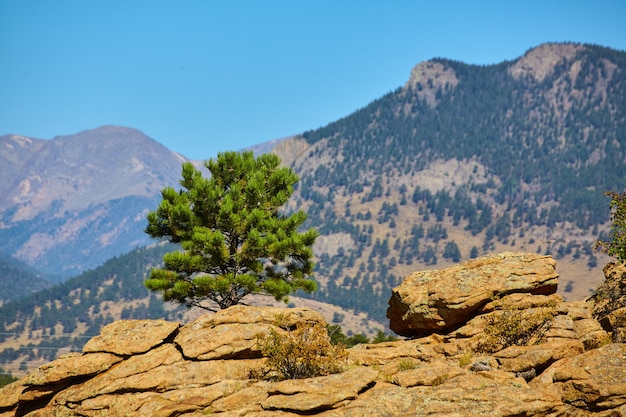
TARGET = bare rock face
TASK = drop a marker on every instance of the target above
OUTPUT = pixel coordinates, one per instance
(321, 393)
(429, 77)
(540, 61)
(493, 364)
(440, 300)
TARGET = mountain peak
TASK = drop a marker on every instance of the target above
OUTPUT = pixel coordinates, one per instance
(101, 179)
(428, 77)
(539, 62)
(108, 136)
(134, 165)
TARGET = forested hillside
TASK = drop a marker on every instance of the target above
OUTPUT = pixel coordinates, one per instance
(18, 279)
(39, 327)
(466, 160)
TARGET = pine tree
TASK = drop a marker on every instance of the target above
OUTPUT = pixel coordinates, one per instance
(235, 238)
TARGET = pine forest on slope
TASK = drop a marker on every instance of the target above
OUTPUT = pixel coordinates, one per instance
(466, 160)
(462, 161)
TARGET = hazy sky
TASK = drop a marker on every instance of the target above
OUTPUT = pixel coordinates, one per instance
(208, 76)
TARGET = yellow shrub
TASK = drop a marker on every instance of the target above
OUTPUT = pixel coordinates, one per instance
(301, 353)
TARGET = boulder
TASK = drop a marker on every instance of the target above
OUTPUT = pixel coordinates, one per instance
(592, 381)
(71, 366)
(430, 374)
(441, 300)
(148, 367)
(129, 337)
(467, 395)
(232, 333)
(537, 357)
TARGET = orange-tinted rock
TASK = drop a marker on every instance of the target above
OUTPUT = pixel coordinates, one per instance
(440, 300)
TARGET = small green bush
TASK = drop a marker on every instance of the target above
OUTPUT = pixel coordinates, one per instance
(301, 353)
(616, 246)
(6, 378)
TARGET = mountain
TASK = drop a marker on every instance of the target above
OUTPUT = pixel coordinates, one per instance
(462, 161)
(73, 202)
(466, 160)
(18, 279)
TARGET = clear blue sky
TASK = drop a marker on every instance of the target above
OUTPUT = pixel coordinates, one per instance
(208, 76)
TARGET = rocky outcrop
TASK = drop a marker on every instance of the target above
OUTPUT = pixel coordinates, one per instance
(428, 79)
(541, 61)
(440, 300)
(494, 362)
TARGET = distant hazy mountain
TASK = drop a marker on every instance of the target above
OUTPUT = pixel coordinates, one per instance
(18, 279)
(71, 203)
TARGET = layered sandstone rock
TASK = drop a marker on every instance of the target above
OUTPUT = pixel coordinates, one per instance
(440, 300)
(155, 368)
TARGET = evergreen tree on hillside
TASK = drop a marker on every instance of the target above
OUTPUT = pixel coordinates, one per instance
(235, 239)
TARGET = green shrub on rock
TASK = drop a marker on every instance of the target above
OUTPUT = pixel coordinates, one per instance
(616, 246)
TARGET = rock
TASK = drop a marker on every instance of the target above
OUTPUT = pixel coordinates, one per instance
(232, 333)
(441, 300)
(71, 366)
(425, 349)
(592, 381)
(591, 333)
(465, 395)
(562, 328)
(246, 400)
(481, 365)
(10, 396)
(553, 358)
(129, 337)
(321, 393)
(431, 374)
(161, 404)
(537, 357)
(616, 322)
(49, 379)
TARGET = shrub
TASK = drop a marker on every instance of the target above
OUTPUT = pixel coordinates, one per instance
(382, 337)
(406, 364)
(465, 359)
(616, 246)
(516, 327)
(6, 378)
(301, 353)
